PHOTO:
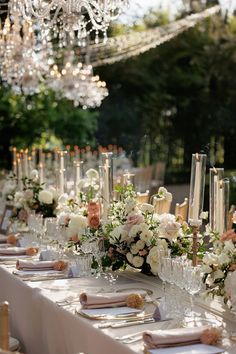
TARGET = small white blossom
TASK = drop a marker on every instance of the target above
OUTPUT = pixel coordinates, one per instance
(146, 208)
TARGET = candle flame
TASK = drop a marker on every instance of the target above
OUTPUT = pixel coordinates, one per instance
(197, 156)
(29, 158)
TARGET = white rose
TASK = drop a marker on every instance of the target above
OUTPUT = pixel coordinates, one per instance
(115, 234)
(63, 198)
(124, 235)
(45, 196)
(140, 244)
(171, 230)
(146, 208)
(134, 230)
(138, 261)
(78, 221)
(206, 269)
(223, 258)
(165, 218)
(152, 259)
(34, 175)
(218, 274)
(63, 218)
(129, 257)
(210, 258)
(229, 246)
(53, 191)
(92, 174)
(134, 249)
(19, 196)
(146, 236)
(162, 244)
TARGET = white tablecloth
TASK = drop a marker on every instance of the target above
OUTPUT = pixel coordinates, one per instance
(44, 327)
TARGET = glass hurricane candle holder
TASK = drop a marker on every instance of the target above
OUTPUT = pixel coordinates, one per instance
(197, 186)
(216, 174)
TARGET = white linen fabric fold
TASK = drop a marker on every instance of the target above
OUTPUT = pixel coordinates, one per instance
(173, 337)
(91, 301)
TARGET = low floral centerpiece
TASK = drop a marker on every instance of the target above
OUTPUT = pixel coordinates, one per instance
(219, 268)
(32, 196)
(134, 233)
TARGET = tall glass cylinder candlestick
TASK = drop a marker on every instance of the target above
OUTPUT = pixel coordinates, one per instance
(223, 206)
(197, 186)
(216, 174)
(107, 161)
(104, 188)
(77, 177)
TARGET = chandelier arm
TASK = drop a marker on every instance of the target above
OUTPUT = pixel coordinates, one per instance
(39, 15)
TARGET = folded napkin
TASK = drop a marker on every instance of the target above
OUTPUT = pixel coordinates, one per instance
(174, 337)
(96, 301)
(40, 265)
(18, 251)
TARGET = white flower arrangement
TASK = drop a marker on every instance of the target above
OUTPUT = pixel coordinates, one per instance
(135, 233)
(219, 268)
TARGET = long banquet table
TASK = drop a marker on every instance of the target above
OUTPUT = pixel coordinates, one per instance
(44, 327)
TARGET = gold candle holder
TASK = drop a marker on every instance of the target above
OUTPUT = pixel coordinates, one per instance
(195, 230)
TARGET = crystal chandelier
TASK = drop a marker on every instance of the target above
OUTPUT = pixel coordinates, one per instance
(77, 83)
(75, 17)
(23, 57)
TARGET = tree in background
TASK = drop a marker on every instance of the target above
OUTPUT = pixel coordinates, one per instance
(23, 121)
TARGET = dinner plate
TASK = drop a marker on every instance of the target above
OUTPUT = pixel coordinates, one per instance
(188, 349)
(36, 272)
(115, 313)
(135, 290)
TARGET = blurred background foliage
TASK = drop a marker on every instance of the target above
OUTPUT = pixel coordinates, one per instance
(163, 105)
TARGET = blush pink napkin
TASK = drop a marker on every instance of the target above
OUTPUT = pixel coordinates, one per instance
(96, 301)
(173, 337)
(40, 265)
(13, 251)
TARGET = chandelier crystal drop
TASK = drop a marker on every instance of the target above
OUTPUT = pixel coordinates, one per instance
(77, 83)
(76, 18)
(23, 56)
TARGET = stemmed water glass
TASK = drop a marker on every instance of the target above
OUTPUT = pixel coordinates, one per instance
(193, 281)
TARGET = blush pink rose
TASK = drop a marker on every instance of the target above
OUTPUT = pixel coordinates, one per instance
(133, 219)
(94, 221)
(94, 208)
(228, 235)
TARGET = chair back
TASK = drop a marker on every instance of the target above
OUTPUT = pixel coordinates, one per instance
(161, 205)
(182, 209)
(4, 326)
(143, 197)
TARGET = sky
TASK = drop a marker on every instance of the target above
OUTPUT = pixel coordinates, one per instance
(138, 7)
